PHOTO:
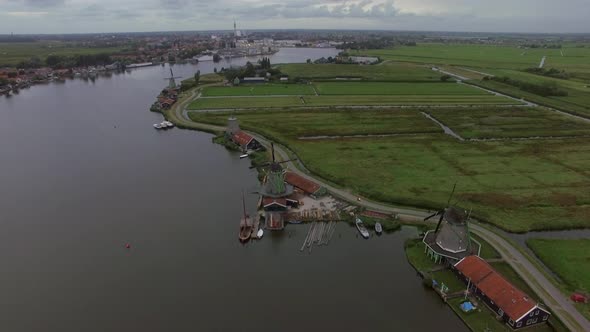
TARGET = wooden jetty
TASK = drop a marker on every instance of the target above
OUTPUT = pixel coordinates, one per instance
(319, 233)
(314, 215)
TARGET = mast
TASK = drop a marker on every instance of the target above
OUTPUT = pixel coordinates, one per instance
(244, 206)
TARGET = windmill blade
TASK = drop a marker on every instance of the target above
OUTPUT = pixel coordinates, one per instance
(452, 192)
(442, 215)
(432, 215)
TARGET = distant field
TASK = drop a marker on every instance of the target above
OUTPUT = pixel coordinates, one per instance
(396, 72)
(515, 122)
(259, 90)
(386, 88)
(12, 53)
(519, 186)
(312, 123)
(487, 56)
(347, 100)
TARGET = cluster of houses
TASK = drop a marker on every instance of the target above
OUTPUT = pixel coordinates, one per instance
(167, 98)
(281, 190)
(450, 244)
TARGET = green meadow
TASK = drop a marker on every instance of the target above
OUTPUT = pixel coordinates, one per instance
(516, 185)
(258, 90)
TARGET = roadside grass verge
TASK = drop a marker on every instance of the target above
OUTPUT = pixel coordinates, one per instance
(389, 88)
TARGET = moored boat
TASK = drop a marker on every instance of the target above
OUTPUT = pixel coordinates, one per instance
(361, 228)
(378, 228)
(245, 224)
(260, 233)
(245, 155)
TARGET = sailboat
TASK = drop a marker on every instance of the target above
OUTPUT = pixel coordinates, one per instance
(245, 224)
(361, 228)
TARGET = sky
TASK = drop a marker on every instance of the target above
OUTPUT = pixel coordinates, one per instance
(87, 16)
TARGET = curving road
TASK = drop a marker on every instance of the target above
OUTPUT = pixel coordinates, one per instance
(545, 289)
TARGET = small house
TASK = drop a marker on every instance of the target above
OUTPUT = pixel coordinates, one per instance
(245, 141)
(509, 303)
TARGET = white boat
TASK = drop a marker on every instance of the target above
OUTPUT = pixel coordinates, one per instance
(361, 228)
(158, 125)
(245, 155)
(260, 233)
(378, 228)
(168, 124)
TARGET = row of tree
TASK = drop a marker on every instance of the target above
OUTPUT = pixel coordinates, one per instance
(66, 61)
(545, 89)
(552, 72)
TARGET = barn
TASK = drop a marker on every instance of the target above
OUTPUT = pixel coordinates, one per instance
(509, 303)
(245, 141)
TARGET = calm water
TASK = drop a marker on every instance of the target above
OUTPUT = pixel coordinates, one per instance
(83, 172)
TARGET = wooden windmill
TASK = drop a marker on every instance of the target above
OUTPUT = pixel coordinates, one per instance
(275, 185)
(171, 80)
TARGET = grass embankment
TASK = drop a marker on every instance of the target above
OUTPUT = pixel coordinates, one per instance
(570, 260)
(518, 186)
(346, 100)
(515, 122)
(391, 71)
(259, 90)
(13, 53)
(482, 317)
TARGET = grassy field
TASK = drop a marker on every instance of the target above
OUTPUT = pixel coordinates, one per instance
(12, 53)
(313, 123)
(516, 185)
(511, 122)
(574, 59)
(346, 100)
(391, 71)
(259, 90)
(570, 259)
(387, 88)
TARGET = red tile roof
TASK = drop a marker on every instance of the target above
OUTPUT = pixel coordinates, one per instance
(514, 302)
(266, 201)
(302, 183)
(241, 138)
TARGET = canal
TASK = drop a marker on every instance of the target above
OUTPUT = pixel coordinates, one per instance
(83, 172)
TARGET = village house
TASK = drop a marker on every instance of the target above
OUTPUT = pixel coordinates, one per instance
(245, 141)
(509, 303)
(306, 186)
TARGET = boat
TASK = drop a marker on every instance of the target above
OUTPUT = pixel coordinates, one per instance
(361, 227)
(260, 233)
(245, 155)
(168, 124)
(295, 222)
(158, 125)
(245, 224)
(378, 228)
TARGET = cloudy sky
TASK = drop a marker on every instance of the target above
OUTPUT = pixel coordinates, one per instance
(80, 16)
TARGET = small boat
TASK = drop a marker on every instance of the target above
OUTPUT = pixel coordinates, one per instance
(361, 227)
(260, 233)
(158, 125)
(295, 222)
(245, 224)
(378, 228)
(245, 155)
(168, 124)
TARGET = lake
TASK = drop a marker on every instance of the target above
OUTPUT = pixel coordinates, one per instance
(83, 173)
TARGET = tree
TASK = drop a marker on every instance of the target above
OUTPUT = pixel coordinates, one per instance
(215, 70)
(216, 57)
(197, 77)
(445, 78)
(308, 61)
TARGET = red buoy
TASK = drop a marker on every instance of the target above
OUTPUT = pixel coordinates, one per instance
(127, 245)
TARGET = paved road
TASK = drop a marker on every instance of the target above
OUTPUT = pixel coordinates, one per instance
(548, 293)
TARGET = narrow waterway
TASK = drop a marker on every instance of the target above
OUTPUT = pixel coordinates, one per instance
(83, 172)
